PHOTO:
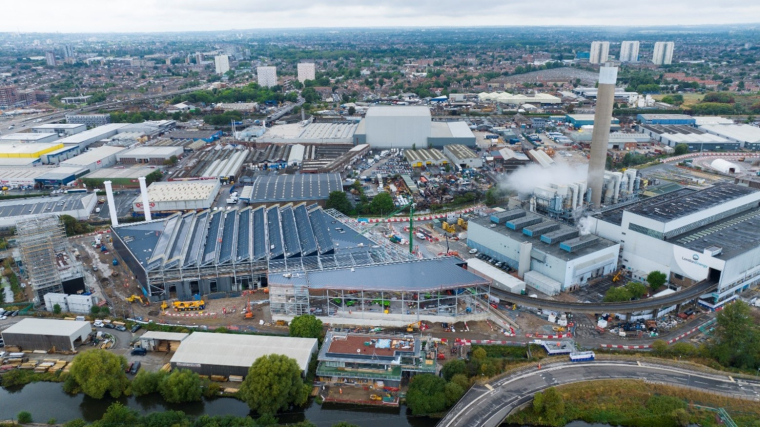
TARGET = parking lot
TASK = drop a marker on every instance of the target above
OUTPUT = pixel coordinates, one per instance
(123, 200)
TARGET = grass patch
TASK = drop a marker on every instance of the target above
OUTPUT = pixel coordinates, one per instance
(636, 403)
(688, 98)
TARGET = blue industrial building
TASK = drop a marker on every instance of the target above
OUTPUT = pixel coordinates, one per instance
(666, 119)
(578, 120)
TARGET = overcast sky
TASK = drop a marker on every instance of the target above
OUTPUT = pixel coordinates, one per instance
(205, 15)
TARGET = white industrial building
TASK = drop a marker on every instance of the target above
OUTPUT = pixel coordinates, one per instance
(295, 158)
(599, 52)
(30, 137)
(233, 354)
(519, 99)
(14, 177)
(267, 76)
(96, 158)
(89, 119)
(152, 155)
(221, 64)
(227, 168)
(60, 128)
(697, 139)
(47, 334)
(179, 196)
(306, 71)
(629, 51)
(692, 236)
(663, 53)
(398, 127)
(748, 137)
(79, 206)
(80, 304)
(500, 279)
(84, 139)
(558, 256)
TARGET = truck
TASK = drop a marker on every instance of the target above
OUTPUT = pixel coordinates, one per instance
(232, 200)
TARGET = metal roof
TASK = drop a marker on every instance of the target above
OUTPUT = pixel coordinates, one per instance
(744, 133)
(397, 111)
(668, 209)
(97, 133)
(428, 274)
(43, 205)
(64, 328)
(734, 235)
(93, 156)
(167, 336)
(116, 173)
(207, 348)
(291, 188)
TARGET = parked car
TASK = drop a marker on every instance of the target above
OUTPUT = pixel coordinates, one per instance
(121, 328)
(139, 351)
(135, 368)
(129, 367)
(109, 326)
(473, 251)
(135, 328)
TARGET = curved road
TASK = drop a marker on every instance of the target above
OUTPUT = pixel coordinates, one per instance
(488, 405)
(609, 307)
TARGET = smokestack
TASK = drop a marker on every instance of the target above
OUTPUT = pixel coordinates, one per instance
(145, 200)
(111, 204)
(600, 137)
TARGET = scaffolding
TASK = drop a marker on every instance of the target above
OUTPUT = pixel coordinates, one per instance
(42, 241)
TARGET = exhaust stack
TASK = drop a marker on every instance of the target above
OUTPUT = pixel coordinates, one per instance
(145, 200)
(600, 137)
(111, 204)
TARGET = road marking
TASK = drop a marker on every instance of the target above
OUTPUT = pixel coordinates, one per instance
(731, 378)
(488, 386)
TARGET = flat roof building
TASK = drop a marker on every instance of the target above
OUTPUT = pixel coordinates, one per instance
(96, 158)
(695, 138)
(84, 139)
(312, 133)
(32, 150)
(14, 177)
(398, 127)
(60, 128)
(526, 241)
(748, 137)
(124, 177)
(425, 157)
(179, 196)
(89, 119)
(578, 120)
(693, 236)
(30, 137)
(78, 206)
(233, 354)
(151, 155)
(47, 334)
(665, 119)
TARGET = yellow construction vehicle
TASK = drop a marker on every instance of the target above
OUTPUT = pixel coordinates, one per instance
(375, 397)
(412, 327)
(189, 305)
(164, 305)
(617, 276)
(133, 298)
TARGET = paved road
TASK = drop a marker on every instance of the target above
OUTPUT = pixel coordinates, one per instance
(609, 307)
(484, 406)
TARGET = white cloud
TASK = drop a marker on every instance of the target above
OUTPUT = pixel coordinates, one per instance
(208, 15)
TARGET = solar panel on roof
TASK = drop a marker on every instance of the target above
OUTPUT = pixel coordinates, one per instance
(227, 243)
(305, 232)
(196, 241)
(243, 252)
(212, 237)
(318, 224)
(276, 249)
(259, 234)
(289, 232)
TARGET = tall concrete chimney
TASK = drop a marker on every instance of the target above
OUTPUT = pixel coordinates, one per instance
(600, 137)
(111, 204)
(145, 200)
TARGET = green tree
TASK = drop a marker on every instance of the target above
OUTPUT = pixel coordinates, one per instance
(636, 289)
(737, 339)
(77, 422)
(382, 204)
(338, 200)
(681, 417)
(492, 196)
(538, 403)
(617, 294)
(105, 311)
(656, 280)
(98, 372)
(273, 383)
(56, 309)
(554, 404)
(453, 392)
(426, 394)
(24, 417)
(94, 310)
(462, 380)
(118, 415)
(180, 386)
(659, 347)
(351, 110)
(479, 354)
(74, 227)
(306, 326)
(453, 367)
(146, 382)
(344, 424)
(681, 149)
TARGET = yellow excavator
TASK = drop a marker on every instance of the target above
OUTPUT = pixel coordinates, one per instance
(133, 298)
(617, 276)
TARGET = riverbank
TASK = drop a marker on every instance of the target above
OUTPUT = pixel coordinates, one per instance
(637, 403)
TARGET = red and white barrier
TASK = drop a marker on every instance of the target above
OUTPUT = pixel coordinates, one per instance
(551, 337)
(420, 218)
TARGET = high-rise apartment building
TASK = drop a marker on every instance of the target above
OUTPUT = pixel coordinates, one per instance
(663, 53)
(68, 51)
(50, 59)
(198, 58)
(267, 76)
(8, 96)
(306, 71)
(222, 64)
(599, 52)
(629, 51)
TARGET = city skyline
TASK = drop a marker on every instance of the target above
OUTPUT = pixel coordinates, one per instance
(89, 16)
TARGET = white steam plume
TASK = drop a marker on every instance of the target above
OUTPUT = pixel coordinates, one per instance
(525, 179)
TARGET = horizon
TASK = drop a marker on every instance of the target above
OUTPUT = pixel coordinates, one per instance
(180, 16)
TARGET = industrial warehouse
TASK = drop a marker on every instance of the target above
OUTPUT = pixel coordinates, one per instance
(179, 196)
(309, 188)
(409, 127)
(233, 354)
(47, 334)
(692, 236)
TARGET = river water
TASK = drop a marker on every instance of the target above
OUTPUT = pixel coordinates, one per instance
(47, 400)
